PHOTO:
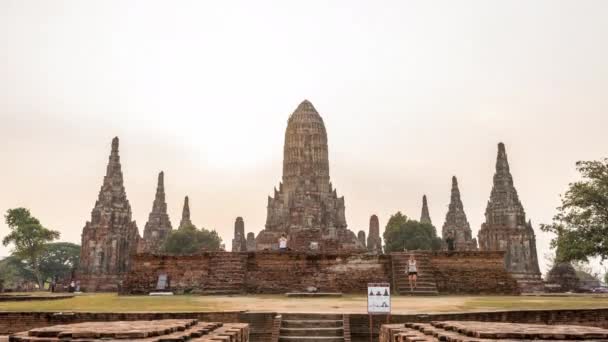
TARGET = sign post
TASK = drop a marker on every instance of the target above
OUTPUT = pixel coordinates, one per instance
(378, 303)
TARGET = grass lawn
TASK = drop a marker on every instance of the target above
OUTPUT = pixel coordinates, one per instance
(106, 302)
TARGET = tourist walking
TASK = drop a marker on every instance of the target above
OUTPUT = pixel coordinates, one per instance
(412, 272)
(282, 243)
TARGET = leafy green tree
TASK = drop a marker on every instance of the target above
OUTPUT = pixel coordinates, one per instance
(581, 224)
(13, 272)
(29, 238)
(190, 240)
(60, 259)
(402, 233)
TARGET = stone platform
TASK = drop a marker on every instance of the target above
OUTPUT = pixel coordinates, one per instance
(465, 331)
(167, 330)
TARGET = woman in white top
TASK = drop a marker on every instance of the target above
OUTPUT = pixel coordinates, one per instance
(282, 243)
(412, 272)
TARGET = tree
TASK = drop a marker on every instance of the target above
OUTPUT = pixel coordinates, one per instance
(29, 238)
(60, 259)
(190, 240)
(581, 224)
(402, 233)
(13, 272)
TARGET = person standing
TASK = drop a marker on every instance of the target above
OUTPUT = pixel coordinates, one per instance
(53, 284)
(450, 241)
(282, 243)
(412, 272)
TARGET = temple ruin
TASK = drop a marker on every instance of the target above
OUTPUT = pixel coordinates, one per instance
(185, 221)
(111, 237)
(158, 227)
(374, 241)
(306, 208)
(506, 229)
(239, 243)
(456, 222)
(425, 217)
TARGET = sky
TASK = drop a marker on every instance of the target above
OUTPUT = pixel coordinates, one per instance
(411, 92)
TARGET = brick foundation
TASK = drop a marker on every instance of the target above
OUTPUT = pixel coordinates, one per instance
(461, 272)
(260, 272)
(275, 273)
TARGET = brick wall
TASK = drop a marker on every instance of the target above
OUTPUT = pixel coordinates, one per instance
(461, 272)
(260, 272)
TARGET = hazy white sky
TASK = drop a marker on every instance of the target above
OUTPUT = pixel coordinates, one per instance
(412, 92)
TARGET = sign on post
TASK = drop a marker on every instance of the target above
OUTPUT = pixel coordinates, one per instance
(379, 298)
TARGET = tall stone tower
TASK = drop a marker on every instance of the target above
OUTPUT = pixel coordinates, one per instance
(239, 243)
(425, 217)
(158, 227)
(306, 207)
(506, 229)
(111, 237)
(374, 242)
(185, 221)
(456, 222)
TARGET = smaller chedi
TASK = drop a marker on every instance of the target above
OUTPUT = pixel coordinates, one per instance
(425, 216)
(374, 242)
(239, 243)
(562, 274)
(456, 222)
(361, 237)
(251, 246)
(158, 227)
(185, 221)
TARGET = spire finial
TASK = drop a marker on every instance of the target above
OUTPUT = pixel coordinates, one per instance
(502, 164)
(161, 179)
(115, 144)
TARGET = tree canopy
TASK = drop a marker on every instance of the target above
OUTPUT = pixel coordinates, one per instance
(29, 238)
(581, 222)
(13, 272)
(60, 260)
(190, 240)
(402, 233)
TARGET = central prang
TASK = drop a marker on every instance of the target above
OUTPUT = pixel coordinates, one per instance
(306, 208)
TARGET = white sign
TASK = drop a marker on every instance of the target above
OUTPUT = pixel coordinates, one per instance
(379, 298)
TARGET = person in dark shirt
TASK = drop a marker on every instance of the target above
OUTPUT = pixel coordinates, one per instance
(450, 241)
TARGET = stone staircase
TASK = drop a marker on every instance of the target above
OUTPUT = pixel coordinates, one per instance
(312, 328)
(426, 284)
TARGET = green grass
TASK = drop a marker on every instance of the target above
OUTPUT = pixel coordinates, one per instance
(106, 302)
